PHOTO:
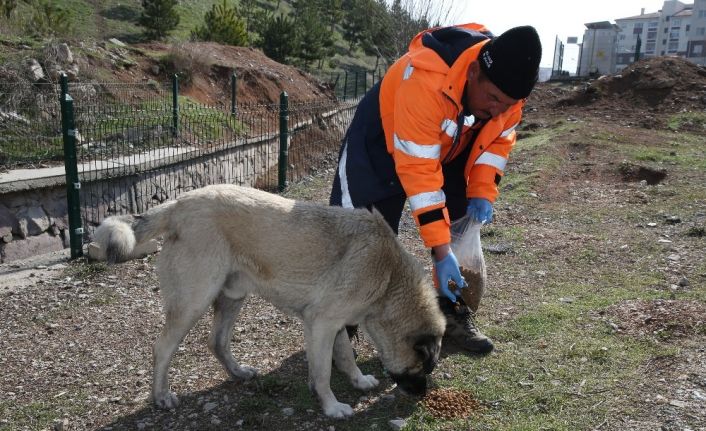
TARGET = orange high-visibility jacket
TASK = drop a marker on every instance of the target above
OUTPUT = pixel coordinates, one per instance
(424, 124)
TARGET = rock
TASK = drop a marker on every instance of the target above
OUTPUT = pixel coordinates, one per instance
(35, 70)
(64, 54)
(677, 403)
(118, 42)
(683, 282)
(8, 222)
(32, 246)
(287, 411)
(397, 424)
(61, 424)
(672, 220)
(209, 406)
(32, 221)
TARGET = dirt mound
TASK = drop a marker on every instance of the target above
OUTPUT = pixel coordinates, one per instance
(207, 68)
(660, 84)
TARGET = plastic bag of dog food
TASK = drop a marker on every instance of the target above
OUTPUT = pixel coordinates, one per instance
(466, 245)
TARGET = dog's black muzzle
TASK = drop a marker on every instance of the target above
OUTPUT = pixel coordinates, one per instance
(412, 384)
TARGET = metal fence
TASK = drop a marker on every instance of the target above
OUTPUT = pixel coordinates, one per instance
(127, 147)
(30, 125)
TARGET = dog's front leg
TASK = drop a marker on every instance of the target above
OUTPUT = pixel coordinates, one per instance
(345, 362)
(319, 347)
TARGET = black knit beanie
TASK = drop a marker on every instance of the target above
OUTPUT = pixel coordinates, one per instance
(511, 61)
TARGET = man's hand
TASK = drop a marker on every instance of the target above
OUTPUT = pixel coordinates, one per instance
(480, 210)
(447, 270)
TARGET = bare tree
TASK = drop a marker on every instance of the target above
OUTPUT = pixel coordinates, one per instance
(407, 18)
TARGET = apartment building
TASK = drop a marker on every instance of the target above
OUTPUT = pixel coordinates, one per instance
(678, 29)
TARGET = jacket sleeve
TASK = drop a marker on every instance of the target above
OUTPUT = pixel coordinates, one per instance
(418, 115)
(488, 169)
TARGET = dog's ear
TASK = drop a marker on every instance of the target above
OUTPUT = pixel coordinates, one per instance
(428, 350)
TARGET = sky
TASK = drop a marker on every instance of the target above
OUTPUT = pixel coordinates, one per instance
(551, 18)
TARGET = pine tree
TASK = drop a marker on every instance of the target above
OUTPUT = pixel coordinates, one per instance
(47, 19)
(279, 38)
(222, 24)
(158, 17)
(355, 25)
(7, 6)
(314, 40)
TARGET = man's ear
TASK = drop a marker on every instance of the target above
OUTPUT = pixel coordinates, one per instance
(473, 70)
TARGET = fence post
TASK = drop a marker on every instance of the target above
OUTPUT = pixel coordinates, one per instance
(175, 105)
(283, 140)
(68, 131)
(233, 83)
(345, 85)
(355, 86)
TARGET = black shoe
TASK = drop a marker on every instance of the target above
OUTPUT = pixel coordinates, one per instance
(461, 327)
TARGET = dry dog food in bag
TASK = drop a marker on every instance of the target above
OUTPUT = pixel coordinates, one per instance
(465, 244)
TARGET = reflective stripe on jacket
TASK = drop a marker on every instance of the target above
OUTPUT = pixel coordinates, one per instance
(421, 107)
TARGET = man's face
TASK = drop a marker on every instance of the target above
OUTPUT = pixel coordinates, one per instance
(484, 99)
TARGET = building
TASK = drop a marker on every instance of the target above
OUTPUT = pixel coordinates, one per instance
(598, 50)
(678, 29)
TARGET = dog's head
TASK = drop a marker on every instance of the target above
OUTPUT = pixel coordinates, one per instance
(406, 327)
(412, 379)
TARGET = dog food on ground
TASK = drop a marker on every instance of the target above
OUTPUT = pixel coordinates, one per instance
(450, 403)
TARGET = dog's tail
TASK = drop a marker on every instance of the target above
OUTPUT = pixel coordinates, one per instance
(119, 235)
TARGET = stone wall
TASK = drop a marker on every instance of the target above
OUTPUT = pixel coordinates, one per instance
(33, 222)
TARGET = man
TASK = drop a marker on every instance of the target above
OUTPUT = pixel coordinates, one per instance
(438, 130)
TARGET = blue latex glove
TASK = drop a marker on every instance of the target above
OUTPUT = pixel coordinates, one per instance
(480, 210)
(447, 270)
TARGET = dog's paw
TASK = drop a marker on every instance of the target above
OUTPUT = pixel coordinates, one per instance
(365, 383)
(338, 410)
(243, 373)
(167, 400)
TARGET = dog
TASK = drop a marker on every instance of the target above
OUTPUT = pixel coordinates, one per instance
(329, 266)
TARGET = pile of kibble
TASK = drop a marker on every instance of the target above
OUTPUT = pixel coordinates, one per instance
(450, 403)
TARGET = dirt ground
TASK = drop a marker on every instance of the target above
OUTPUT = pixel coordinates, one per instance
(75, 344)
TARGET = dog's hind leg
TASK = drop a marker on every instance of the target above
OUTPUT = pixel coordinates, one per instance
(320, 338)
(181, 314)
(178, 323)
(345, 362)
(225, 311)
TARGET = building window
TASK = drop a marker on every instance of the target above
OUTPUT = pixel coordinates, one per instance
(674, 34)
(701, 31)
(697, 49)
(702, 14)
(672, 48)
(622, 37)
(637, 29)
(688, 27)
(676, 23)
(650, 48)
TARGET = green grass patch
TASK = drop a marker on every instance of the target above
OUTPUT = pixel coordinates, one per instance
(687, 120)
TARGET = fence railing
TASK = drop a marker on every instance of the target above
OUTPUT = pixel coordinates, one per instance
(129, 147)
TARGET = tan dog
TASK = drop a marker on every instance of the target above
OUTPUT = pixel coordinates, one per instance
(327, 265)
